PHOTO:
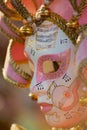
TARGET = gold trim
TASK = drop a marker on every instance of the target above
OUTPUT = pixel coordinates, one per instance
(81, 28)
(15, 65)
(82, 31)
(8, 12)
(9, 36)
(21, 9)
(74, 4)
(14, 82)
(82, 6)
(78, 8)
(10, 27)
(13, 28)
(78, 41)
(16, 127)
(60, 22)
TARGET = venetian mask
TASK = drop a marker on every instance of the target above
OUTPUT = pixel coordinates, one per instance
(56, 62)
(55, 80)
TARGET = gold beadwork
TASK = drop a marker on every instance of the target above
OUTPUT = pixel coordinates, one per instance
(82, 31)
(78, 8)
(14, 31)
(21, 9)
(81, 28)
(12, 26)
(74, 4)
(60, 22)
(17, 69)
(9, 36)
(73, 24)
(20, 85)
(15, 65)
(42, 13)
(8, 12)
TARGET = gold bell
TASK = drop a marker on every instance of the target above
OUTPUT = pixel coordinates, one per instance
(27, 30)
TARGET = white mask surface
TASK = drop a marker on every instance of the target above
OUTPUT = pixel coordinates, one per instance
(55, 79)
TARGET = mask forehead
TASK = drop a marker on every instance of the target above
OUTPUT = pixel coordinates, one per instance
(58, 92)
(48, 39)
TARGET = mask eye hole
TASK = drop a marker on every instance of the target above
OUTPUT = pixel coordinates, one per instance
(50, 66)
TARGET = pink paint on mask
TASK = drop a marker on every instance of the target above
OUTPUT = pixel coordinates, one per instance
(68, 98)
(63, 58)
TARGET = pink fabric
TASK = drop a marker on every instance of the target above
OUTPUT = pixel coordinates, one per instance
(11, 73)
(14, 76)
(61, 7)
(64, 8)
(5, 28)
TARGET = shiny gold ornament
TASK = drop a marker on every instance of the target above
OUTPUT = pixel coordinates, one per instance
(16, 127)
(42, 13)
(83, 101)
(77, 128)
(73, 24)
(27, 30)
(33, 97)
(16, 16)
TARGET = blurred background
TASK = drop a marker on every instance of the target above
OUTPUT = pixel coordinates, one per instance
(15, 104)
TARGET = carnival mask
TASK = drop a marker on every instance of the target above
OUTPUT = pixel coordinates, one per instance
(55, 80)
(54, 64)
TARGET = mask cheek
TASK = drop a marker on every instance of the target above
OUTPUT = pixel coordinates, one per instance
(61, 97)
(65, 98)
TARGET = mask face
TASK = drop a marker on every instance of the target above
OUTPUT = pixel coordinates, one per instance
(55, 81)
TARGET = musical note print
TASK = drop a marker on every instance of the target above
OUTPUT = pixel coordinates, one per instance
(68, 115)
(32, 52)
(63, 41)
(66, 78)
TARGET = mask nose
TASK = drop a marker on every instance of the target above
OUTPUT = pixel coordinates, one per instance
(36, 91)
(40, 88)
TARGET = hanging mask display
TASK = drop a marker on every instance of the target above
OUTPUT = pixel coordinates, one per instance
(52, 60)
